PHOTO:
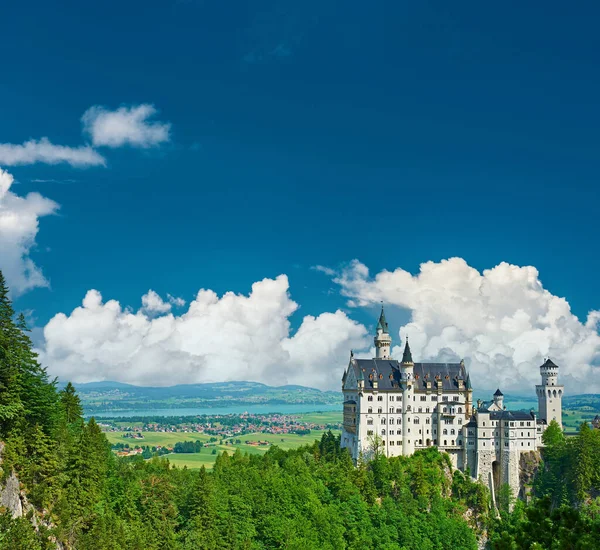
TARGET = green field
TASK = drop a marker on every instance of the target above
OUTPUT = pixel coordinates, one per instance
(205, 457)
(330, 417)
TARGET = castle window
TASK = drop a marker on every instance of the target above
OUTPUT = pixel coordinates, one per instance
(483, 423)
(456, 398)
(383, 443)
(445, 432)
(416, 420)
(452, 432)
(380, 398)
(391, 420)
(434, 398)
(383, 420)
(506, 443)
(391, 397)
(459, 443)
(420, 409)
(398, 411)
(391, 432)
(382, 432)
(427, 420)
(521, 434)
(423, 398)
(369, 421)
(391, 409)
(445, 442)
(529, 443)
(426, 409)
(370, 410)
(444, 398)
(369, 432)
(391, 442)
(399, 420)
(460, 420)
(459, 410)
(398, 443)
(452, 442)
(505, 434)
(521, 423)
(379, 410)
(370, 398)
(484, 443)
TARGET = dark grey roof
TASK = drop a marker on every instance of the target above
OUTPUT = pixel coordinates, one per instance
(387, 373)
(471, 424)
(407, 355)
(498, 393)
(382, 323)
(511, 415)
(350, 402)
(549, 363)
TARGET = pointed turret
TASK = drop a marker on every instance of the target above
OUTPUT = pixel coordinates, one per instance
(468, 382)
(407, 355)
(382, 340)
(382, 323)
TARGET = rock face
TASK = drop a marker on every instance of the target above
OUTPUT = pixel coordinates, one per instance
(10, 496)
(528, 466)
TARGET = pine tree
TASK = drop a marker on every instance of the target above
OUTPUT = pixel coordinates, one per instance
(70, 404)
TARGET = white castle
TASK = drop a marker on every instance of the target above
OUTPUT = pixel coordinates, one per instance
(398, 407)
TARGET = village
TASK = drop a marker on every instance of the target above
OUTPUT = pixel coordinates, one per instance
(166, 435)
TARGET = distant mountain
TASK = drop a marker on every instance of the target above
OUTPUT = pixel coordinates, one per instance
(97, 396)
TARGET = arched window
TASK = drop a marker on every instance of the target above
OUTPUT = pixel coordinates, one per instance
(391, 420)
(383, 432)
(416, 420)
(399, 420)
(554, 393)
(445, 432)
(369, 421)
(383, 420)
(452, 432)
(549, 393)
(379, 410)
(398, 411)
(427, 420)
(370, 398)
(459, 410)
(445, 442)
(370, 410)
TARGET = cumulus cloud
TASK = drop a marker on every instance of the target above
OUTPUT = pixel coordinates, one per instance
(125, 126)
(153, 303)
(232, 337)
(44, 151)
(502, 321)
(19, 224)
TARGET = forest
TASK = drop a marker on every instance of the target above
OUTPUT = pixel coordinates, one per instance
(77, 494)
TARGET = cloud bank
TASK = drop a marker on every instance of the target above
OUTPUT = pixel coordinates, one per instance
(502, 321)
(19, 224)
(125, 126)
(32, 152)
(232, 337)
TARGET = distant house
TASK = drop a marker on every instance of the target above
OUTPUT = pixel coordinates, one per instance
(596, 422)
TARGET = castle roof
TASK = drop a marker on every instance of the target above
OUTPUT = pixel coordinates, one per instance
(382, 323)
(511, 415)
(549, 364)
(407, 355)
(388, 375)
(498, 393)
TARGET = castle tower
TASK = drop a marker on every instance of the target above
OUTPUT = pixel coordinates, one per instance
(550, 394)
(407, 371)
(382, 340)
(499, 399)
(469, 398)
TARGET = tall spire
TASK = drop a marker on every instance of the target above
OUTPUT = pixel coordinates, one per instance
(468, 382)
(382, 323)
(407, 355)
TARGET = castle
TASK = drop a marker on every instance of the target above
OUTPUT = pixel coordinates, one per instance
(397, 407)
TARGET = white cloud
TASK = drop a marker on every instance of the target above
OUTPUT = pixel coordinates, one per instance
(125, 126)
(19, 224)
(324, 269)
(44, 151)
(234, 337)
(502, 321)
(176, 301)
(153, 303)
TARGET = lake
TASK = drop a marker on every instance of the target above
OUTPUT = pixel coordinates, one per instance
(254, 409)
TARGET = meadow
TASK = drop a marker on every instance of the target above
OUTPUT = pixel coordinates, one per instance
(206, 457)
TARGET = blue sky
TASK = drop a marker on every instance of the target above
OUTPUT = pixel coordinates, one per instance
(306, 134)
